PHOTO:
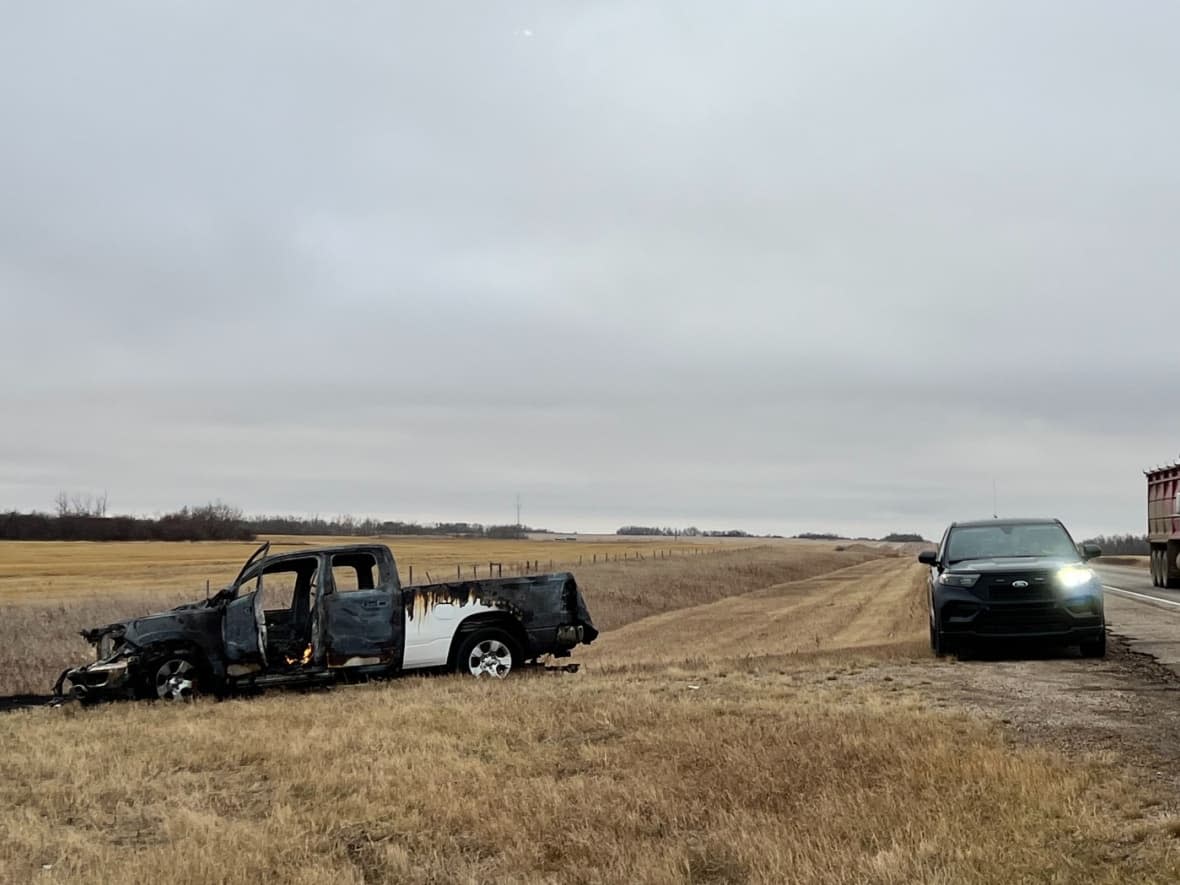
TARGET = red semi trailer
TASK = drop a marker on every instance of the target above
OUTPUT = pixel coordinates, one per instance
(1163, 524)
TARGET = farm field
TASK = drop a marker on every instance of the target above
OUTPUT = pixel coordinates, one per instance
(61, 570)
(788, 726)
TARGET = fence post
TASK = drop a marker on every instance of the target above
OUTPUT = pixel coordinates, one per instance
(458, 573)
(411, 574)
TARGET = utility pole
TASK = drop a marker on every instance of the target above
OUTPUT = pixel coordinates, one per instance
(995, 499)
(518, 511)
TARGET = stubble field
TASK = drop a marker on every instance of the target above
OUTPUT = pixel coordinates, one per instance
(739, 721)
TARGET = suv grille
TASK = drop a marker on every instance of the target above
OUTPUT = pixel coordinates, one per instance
(1000, 587)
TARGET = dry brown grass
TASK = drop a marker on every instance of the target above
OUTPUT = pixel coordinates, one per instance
(875, 609)
(666, 777)
(706, 745)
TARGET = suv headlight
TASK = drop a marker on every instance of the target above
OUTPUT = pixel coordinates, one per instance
(1073, 576)
(950, 579)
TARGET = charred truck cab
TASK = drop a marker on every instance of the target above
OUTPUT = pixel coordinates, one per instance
(330, 613)
(1013, 579)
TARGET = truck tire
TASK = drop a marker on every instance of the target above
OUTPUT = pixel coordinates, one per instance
(174, 677)
(488, 652)
(1155, 575)
(1168, 576)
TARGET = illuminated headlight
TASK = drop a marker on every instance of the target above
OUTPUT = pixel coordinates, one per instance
(1073, 576)
(949, 579)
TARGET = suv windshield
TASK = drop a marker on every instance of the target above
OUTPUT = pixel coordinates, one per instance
(990, 541)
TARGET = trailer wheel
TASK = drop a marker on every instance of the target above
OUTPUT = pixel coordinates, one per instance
(1155, 567)
(1168, 576)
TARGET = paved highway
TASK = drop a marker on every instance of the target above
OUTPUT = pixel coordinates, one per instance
(1149, 617)
(1135, 583)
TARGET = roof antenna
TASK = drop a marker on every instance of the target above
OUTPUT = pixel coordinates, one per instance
(995, 506)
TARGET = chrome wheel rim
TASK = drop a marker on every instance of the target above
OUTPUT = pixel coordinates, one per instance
(176, 680)
(490, 658)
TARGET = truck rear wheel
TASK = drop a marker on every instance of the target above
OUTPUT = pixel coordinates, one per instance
(1168, 576)
(1155, 567)
(488, 652)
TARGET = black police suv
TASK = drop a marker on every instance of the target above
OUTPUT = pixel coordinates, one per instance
(1009, 579)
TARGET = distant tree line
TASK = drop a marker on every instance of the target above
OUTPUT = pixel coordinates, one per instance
(348, 525)
(666, 531)
(891, 538)
(83, 517)
(1122, 545)
(210, 522)
(690, 532)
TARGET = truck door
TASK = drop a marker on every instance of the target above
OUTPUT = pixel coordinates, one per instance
(244, 629)
(363, 612)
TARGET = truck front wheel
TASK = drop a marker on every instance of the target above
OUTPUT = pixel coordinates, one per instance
(488, 652)
(176, 676)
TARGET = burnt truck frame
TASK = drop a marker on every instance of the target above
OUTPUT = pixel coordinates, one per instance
(345, 615)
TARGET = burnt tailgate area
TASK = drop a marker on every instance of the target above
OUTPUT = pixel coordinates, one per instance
(543, 605)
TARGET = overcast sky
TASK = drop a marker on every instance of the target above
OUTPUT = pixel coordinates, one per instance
(777, 266)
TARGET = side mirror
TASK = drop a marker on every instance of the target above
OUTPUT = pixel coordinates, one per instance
(1091, 551)
(928, 557)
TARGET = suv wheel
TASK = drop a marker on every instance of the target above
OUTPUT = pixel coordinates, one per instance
(1095, 649)
(939, 644)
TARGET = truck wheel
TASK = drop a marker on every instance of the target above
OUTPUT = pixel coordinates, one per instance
(1155, 568)
(487, 652)
(1095, 649)
(1168, 577)
(174, 677)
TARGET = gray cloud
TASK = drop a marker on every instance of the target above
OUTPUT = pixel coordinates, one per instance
(783, 267)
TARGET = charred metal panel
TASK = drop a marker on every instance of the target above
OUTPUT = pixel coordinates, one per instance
(362, 624)
(244, 643)
(525, 598)
(541, 604)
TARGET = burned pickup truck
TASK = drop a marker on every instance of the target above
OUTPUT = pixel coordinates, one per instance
(327, 614)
